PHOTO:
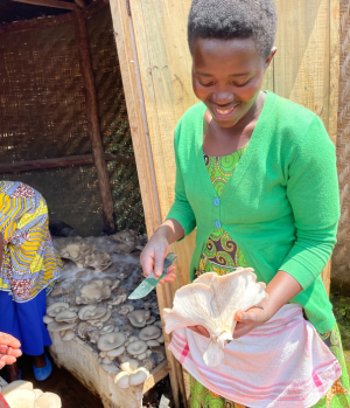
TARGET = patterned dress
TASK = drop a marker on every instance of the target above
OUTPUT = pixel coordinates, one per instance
(222, 255)
(30, 262)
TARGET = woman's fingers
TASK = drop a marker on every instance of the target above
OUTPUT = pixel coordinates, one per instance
(4, 359)
(8, 340)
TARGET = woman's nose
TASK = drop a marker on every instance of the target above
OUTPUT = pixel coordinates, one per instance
(222, 98)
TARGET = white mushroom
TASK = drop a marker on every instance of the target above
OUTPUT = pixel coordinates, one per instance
(107, 329)
(94, 336)
(153, 343)
(115, 284)
(91, 312)
(106, 317)
(137, 347)
(151, 320)
(219, 298)
(131, 339)
(116, 352)
(142, 356)
(66, 316)
(68, 335)
(139, 377)
(20, 398)
(119, 299)
(95, 291)
(125, 309)
(111, 341)
(130, 366)
(122, 380)
(37, 393)
(99, 261)
(150, 333)
(138, 318)
(57, 327)
(16, 385)
(48, 400)
(48, 319)
(56, 308)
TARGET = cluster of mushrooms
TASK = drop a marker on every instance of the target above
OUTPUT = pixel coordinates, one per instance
(94, 307)
(21, 394)
(85, 253)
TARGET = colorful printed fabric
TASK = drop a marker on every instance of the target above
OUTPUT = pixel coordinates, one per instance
(223, 256)
(3, 403)
(30, 261)
(221, 253)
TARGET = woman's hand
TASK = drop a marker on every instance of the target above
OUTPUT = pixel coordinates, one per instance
(280, 291)
(9, 349)
(200, 330)
(153, 255)
(249, 320)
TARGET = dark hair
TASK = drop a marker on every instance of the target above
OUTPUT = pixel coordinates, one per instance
(229, 19)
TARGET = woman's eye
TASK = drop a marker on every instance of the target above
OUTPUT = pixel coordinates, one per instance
(240, 85)
(208, 84)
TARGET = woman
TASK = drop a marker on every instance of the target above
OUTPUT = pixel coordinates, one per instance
(29, 265)
(256, 174)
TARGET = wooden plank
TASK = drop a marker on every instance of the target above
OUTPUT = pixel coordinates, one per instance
(306, 66)
(92, 114)
(80, 3)
(334, 62)
(157, 374)
(129, 65)
(50, 3)
(301, 66)
(35, 24)
(80, 160)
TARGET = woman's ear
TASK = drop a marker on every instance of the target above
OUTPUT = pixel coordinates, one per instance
(270, 57)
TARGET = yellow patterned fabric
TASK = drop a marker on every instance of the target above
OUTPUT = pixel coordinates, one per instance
(30, 261)
(222, 255)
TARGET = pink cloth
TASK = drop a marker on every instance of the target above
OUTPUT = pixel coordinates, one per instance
(283, 363)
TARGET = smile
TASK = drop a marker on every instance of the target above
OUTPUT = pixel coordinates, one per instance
(225, 113)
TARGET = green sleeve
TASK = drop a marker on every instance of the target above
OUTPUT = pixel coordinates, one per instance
(181, 209)
(312, 190)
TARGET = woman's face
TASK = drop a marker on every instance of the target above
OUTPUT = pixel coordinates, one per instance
(227, 76)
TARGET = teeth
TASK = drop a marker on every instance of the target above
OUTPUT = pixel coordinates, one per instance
(224, 112)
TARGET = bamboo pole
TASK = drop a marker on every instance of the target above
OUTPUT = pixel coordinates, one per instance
(92, 114)
(44, 164)
(50, 3)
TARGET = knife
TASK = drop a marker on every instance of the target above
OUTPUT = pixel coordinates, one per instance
(151, 281)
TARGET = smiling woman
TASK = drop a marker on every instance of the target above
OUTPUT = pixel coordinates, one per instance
(256, 174)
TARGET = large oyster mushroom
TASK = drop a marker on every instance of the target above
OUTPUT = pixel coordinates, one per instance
(212, 301)
(76, 252)
(95, 291)
(100, 261)
(131, 374)
(91, 312)
(54, 309)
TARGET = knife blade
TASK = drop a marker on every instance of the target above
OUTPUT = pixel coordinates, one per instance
(151, 281)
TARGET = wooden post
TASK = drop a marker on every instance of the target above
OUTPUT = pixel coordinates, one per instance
(92, 113)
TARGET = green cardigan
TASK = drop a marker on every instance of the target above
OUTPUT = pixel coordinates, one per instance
(281, 205)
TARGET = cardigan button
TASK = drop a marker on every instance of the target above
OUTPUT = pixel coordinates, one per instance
(218, 224)
(216, 201)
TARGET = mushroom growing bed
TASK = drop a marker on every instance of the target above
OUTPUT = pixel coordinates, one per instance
(97, 333)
